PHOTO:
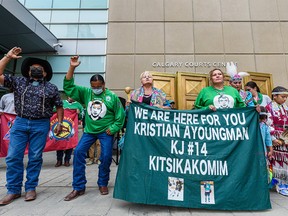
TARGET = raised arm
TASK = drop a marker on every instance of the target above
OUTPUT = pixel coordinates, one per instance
(74, 62)
(12, 54)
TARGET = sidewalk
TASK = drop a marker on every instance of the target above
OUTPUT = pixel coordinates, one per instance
(55, 184)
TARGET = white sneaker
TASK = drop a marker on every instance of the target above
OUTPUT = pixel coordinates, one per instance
(98, 162)
(89, 162)
(284, 192)
(280, 187)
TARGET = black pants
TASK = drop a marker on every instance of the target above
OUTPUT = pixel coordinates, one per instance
(67, 152)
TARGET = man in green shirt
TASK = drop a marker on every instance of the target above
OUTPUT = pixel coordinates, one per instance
(104, 117)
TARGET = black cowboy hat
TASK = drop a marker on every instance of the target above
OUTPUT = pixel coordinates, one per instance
(25, 67)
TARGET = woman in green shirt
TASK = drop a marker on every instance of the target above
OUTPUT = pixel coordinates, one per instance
(218, 96)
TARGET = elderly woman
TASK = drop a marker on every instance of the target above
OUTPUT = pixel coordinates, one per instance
(218, 96)
(147, 93)
(258, 98)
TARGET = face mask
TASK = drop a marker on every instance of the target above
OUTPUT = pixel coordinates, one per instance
(35, 83)
(97, 91)
(36, 72)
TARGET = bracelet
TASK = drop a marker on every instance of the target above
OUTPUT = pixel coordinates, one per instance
(6, 55)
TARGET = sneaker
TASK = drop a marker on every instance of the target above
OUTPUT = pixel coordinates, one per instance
(284, 192)
(280, 187)
(89, 162)
(98, 162)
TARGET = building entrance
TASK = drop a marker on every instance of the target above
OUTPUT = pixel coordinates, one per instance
(184, 87)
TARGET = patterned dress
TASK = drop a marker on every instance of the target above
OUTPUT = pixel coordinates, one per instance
(277, 121)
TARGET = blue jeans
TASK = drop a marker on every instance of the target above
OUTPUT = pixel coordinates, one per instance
(79, 162)
(23, 131)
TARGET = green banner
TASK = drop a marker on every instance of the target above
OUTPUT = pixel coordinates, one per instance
(194, 159)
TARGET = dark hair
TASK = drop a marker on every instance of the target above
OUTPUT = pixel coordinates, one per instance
(97, 77)
(262, 110)
(253, 85)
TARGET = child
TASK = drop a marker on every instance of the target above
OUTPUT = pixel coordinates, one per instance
(267, 142)
(277, 122)
(265, 132)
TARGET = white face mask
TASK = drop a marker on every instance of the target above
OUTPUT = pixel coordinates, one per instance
(97, 91)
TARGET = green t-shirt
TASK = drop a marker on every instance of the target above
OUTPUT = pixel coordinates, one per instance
(102, 111)
(228, 97)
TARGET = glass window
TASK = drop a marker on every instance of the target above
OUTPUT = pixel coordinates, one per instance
(79, 79)
(69, 47)
(64, 31)
(92, 31)
(43, 16)
(21, 1)
(94, 4)
(57, 80)
(64, 16)
(83, 79)
(91, 47)
(66, 3)
(89, 64)
(38, 4)
(93, 16)
(60, 64)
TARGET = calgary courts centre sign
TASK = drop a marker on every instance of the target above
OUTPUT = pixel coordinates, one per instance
(189, 64)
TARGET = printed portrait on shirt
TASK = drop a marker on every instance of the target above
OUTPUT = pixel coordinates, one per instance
(223, 101)
(96, 109)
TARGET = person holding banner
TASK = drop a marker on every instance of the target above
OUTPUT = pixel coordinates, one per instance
(35, 98)
(147, 93)
(104, 117)
(69, 104)
(277, 121)
(218, 96)
(7, 103)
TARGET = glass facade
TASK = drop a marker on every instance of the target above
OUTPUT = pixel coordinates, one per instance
(81, 26)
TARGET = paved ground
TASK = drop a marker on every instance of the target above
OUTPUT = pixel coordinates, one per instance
(55, 184)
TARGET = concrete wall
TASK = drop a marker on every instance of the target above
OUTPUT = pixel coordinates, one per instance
(143, 33)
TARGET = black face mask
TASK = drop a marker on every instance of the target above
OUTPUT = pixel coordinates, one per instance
(36, 72)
